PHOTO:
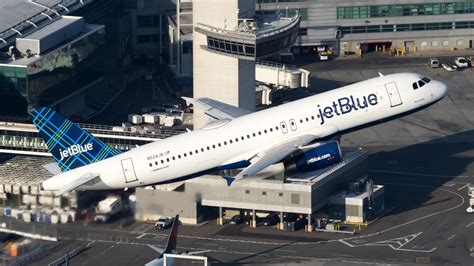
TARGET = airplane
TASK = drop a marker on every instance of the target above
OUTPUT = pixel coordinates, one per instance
(236, 139)
(170, 247)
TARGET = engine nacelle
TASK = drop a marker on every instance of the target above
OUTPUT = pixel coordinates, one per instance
(316, 158)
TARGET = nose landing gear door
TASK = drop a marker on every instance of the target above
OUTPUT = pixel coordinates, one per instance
(393, 94)
(128, 170)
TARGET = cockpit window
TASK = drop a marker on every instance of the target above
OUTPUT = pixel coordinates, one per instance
(421, 83)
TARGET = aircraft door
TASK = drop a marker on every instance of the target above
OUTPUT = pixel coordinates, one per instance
(393, 94)
(128, 170)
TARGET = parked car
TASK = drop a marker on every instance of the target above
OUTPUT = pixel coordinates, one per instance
(270, 220)
(433, 63)
(290, 217)
(323, 56)
(449, 67)
(237, 219)
(461, 62)
(164, 223)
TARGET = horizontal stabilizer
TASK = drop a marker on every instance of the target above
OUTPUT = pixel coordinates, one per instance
(215, 109)
(53, 168)
(77, 183)
(157, 249)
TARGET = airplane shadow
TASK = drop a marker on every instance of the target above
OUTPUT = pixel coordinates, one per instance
(438, 162)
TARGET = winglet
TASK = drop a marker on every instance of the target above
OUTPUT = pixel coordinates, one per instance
(188, 100)
(229, 180)
(380, 74)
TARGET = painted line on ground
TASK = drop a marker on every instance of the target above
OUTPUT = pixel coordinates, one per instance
(470, 224)
(418, 174)
(343, 241)
(142, 235)
(451, 237)
(285, 250)
(463, 187)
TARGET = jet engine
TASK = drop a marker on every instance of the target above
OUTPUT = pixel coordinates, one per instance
(318, 156)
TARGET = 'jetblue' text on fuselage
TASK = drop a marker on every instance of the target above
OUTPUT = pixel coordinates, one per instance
(346, 105)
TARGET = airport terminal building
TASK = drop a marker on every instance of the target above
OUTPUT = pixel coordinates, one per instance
(347, 26)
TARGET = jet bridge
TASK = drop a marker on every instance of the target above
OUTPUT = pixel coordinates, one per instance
(281, 75)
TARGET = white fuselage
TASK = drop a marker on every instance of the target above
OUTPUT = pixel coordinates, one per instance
(228, 142)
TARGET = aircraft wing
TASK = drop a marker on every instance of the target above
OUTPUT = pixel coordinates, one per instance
(274, 154)
(215, 109)
(77, 183)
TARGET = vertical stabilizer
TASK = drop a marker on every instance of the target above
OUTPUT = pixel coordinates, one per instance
(70, 145)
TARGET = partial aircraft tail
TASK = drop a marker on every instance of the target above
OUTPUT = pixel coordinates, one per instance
(173, 238)
(70, 145)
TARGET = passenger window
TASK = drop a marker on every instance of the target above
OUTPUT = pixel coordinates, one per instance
(156, 162)
(150, 164)
(415, 86)
(167, 159)
(162, 161)
(179, 156)
(219, 144)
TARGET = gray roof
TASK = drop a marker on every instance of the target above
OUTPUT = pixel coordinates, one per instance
(27, 16)
(14, 12)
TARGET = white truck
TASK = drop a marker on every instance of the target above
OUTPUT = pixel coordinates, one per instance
(107, 208)
(470, 209)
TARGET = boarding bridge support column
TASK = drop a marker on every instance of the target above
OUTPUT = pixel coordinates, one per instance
(253, 223)
(220, 220)
(309, 227)
(280, 224)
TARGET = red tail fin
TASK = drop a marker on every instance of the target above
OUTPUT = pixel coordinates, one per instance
(173, 238)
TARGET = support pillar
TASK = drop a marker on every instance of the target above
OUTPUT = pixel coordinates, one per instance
(280, 224)
(309, 227)
(220, 220)
(253, 224)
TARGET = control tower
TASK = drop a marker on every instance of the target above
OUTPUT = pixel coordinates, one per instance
(229, 36)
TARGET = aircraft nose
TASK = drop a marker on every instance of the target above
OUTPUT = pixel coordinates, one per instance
(441, 89)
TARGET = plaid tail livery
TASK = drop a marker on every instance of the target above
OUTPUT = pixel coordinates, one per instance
(70, 145)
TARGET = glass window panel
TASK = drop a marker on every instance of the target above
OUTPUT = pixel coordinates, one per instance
(432, 26)
(387, 28)
(434, 43)
(445, 43)
(373, 28)
(460, 42)
(364, 11)
(345, 29)
(358, 29)
(416, 27)
(355, 12)
(436, 9)
(403, 27)
(450, 8)
(446, 25)
(462, 25)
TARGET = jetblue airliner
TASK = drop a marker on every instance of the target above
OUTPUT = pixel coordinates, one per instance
(236, 139)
